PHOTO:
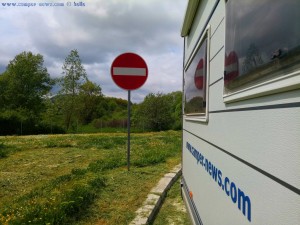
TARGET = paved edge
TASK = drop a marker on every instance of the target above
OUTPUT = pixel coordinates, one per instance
(150, 207)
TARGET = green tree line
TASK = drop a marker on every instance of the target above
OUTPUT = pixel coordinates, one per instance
(27, 107)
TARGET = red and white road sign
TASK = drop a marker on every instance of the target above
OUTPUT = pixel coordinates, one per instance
(231, 67)
(199, 75)
(129, 71)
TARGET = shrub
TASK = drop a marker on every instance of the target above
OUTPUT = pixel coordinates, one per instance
(79, 172)
(147, 158)
(3, 151)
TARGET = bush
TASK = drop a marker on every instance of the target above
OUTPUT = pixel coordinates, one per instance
(102, 165)
(77, 201)
(14, 126)
(113, 123)
(147, 158)
(3, 151)
(98, 182)
(79, 172)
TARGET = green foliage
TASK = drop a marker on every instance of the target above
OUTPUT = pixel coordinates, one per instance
(3, 151)
(52, 204)
(176, 109)
(51, 118)
(97, 182)
(90, 96)
(47, 206)
(115, 160)
(22, 87)
(77, 171)
(79, 107)
(6, 150)
(158, 112)
(155, 151)
(24, 83)
(107, 115)
(153, 113)
(74, 76)
(195, 105)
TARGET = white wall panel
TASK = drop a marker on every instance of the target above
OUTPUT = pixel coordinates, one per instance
(268, 139)
(254, 142)
(271, 204)
(217, 17)
(217, 40)
(216, 102)
(217, 67)
(206, 6)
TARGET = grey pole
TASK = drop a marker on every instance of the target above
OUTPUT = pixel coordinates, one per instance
(128, 132)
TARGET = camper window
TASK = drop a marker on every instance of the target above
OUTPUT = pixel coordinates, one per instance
(195, 82)
(262, 42)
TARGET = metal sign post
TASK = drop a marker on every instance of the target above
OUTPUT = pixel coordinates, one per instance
(128, 132)
(129, 71)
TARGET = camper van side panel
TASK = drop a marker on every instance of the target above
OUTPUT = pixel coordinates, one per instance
(242, 164)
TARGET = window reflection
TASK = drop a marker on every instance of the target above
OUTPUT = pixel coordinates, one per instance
(195, 83)
(262, 41)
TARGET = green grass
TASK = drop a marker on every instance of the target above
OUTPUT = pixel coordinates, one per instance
(173, 210)
(89, 128)
(3, 151)
(81, 179)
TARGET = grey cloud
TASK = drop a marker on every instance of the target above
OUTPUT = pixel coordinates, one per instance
(101, 31)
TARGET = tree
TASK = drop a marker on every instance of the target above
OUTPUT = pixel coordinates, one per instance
(3, 86)
(176, 109)
(74, 76)
(90, 96)
(50, 118)
(253, 59)
(24, 83)
(22, 87)
(154, 113)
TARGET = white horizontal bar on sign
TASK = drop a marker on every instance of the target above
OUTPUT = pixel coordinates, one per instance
(126, 71)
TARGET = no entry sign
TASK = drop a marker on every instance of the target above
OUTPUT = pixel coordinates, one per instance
(129, 71)
(231, 67)
(199, 75)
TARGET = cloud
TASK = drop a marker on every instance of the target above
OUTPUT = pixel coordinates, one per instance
(100, 31)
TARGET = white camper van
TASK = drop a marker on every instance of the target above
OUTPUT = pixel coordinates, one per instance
(241, 112)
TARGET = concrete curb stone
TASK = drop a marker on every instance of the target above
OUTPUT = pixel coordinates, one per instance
(151, 205)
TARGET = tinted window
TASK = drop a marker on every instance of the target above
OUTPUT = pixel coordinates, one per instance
(195, 83)
(262, 41)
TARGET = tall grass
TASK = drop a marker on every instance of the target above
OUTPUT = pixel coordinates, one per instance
(52, 204)
(3, 151)
(81, 179)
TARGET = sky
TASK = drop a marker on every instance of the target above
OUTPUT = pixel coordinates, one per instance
(100, 30)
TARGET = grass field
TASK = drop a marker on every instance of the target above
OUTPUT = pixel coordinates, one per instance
(81, 179)
(173, 210)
